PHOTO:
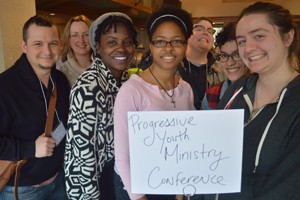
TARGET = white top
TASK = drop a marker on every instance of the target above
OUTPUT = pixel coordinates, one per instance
(71, 69)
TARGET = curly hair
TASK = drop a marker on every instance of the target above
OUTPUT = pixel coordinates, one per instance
(226, 34)
(173, 14)
(112, 22)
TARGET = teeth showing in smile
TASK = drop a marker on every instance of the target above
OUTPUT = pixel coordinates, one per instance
(168, 57)
(120, 58)
(257, 57)
(233, 70)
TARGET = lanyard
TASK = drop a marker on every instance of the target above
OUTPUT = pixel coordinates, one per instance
(45, 99)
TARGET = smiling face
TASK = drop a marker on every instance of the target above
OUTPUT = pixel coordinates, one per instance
(260, 45)
(202, 40)
(232, 69)
(42, 47)
(116, 49)
(167, 57)
(79, 38)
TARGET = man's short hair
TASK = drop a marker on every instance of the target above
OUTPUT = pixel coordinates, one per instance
(39, 20)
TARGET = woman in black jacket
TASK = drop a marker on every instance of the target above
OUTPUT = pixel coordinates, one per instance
(266, 38)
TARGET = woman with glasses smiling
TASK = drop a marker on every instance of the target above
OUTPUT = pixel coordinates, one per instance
(76, 53)
(155, 89)
(230, 62)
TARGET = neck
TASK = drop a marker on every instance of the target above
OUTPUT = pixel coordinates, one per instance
(268, 88)
(43, 76)
(276, 80)
(45, 81)
(84, 61)
(172, 100)
(196, 57)
(165, 80)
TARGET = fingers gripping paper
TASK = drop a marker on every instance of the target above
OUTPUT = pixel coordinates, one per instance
(186, 152)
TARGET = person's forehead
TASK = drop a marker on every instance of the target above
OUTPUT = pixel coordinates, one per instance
(204, 23)
(35, 31)
(32, 28)
(118, 29)
(78, 24)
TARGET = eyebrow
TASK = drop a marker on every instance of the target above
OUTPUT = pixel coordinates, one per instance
(202, 26)
(116, 38)
(254, 31)
(164, 36)
(42, 41)
(234, 51)
(259, 29)
(80, 32)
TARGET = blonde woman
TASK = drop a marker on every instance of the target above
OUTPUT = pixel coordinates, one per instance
(76, 53)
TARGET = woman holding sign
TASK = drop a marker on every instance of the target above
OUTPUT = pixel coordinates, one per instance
(155, 89)
(266, 38)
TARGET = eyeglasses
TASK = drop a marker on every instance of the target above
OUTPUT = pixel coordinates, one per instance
(223, 57)
(201, 28)
(78, 36)
(173, 43)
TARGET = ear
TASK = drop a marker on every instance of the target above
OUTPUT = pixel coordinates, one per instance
(150, 46)
(289, 37)
(24, 46)
(98, 48)
(185, 48)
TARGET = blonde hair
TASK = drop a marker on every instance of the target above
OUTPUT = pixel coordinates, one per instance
(66, 35)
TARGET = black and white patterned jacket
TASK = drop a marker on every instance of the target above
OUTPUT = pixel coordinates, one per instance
(90, 142)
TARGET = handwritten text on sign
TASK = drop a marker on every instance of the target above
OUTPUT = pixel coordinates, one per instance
(186, 152)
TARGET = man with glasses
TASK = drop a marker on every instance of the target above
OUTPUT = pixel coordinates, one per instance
(198, 67)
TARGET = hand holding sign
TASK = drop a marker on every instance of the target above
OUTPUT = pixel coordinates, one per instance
(186, 152)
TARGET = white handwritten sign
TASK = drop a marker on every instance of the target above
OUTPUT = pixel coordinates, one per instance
(186, 152)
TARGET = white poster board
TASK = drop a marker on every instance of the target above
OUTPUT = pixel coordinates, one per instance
(186, 152)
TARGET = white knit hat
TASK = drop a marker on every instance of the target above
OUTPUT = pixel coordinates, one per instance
(98, 21)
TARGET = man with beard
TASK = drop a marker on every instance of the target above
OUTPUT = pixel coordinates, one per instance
(25, 91)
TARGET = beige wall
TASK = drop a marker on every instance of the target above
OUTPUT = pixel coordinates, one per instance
(1, 51)
(293, 6)
(13, 15)
(217, 8)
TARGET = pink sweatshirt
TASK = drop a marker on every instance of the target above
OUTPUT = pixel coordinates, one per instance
(138, 95)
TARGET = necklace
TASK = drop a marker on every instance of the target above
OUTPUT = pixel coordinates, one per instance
(171, 96)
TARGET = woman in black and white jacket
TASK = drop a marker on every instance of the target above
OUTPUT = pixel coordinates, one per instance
(89, 157)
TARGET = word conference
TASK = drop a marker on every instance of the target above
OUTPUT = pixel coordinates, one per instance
(170, 150)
